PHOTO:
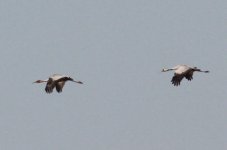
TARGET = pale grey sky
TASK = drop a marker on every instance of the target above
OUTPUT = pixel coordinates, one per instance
(117, 48)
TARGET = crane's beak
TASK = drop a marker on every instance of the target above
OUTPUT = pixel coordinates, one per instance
(163, 70)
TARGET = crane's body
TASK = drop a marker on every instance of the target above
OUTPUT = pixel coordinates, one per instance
(182, 71)
(56, 81)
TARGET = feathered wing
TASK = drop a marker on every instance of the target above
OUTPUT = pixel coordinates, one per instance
(189, 75)
(63, 79)
(50, 86)
(60, 83)
(177, 79)
(59, 86)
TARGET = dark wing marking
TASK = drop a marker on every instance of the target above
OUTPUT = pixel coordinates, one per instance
(60, 83)
(59, 86)
(177, 79)
(50, 86)
(64, 79)
(189, 75)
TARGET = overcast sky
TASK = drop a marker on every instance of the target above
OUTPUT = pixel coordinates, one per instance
(117, 48)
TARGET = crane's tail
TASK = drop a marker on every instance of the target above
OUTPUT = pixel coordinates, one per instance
(207, 71)
(78, 82)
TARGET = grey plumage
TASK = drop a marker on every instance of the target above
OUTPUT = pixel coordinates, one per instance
(57, 81)
(182, 71)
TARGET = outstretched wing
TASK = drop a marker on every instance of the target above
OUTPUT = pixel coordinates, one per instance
(189, 75)
(61, 82)
(50, 86)
(59, 86)
(177, 79)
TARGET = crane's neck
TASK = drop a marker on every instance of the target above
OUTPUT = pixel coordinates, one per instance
(40, 81)
(165, 70)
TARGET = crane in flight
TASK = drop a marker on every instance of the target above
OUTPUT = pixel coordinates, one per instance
(58, 81)
(181, 71)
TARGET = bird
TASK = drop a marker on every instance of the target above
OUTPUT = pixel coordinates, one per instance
(182, 71)
(56, 80)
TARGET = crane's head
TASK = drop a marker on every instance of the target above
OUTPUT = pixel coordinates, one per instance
(164, 70)
(39, 81)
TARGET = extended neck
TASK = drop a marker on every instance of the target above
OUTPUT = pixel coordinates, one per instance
(165, 70)
(40, 81)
